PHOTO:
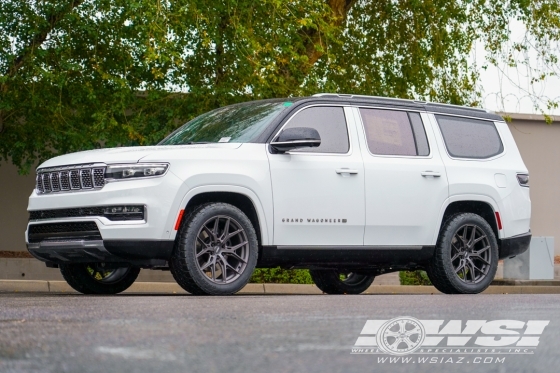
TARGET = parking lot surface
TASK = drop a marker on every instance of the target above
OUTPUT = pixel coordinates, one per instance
(253, 333)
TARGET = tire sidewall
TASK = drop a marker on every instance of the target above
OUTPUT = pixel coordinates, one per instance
(445, 246)
(189, 249)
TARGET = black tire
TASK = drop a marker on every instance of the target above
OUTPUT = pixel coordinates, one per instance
(330, 282)
(197, 247)
(464, 263)
(93, 279)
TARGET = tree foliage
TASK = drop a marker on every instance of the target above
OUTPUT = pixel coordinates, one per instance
(80, 74)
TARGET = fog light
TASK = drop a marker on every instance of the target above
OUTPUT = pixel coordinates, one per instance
(124, 213)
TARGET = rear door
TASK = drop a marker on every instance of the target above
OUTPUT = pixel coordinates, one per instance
(405, 178)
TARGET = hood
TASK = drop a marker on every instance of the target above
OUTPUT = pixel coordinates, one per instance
(127, 155)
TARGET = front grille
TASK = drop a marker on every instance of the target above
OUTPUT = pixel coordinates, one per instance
(63, 231)
(70, 178)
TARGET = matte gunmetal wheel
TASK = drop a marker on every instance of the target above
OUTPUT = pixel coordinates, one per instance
(216, 250)
(466, 256)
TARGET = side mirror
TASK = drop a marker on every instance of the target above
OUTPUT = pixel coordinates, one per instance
(293, 138)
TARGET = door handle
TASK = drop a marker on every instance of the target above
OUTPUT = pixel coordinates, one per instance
(430, 173)
(346, 171)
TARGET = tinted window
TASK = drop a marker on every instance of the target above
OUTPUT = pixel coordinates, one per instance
(391, 132)
(470, 138)
(330, 122)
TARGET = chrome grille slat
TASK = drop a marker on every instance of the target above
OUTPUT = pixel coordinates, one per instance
(47, 182)
(55, 182)
(70, 179)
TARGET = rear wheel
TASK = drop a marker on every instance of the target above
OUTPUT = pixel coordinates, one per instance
(95, 278)
(332, 281)
(466, 256)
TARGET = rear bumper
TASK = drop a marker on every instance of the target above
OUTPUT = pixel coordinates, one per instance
(512, 246)
(137, 252)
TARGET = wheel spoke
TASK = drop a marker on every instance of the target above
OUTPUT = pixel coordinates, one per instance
(460, 267)
(208, 263)
(455, 248)
(464, 236)
(204, 251)
(236, 247)
(202, 242)
(478, 257)
(213, 270)
(226, 229)
(472, 271)
(208, 232)
(235, 256)
(229, 265)
(232, 234)
(479, 239)
(223, 266)
(473, 234)
(215, 228)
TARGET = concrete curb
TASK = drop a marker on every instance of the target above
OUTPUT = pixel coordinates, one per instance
(27, 286)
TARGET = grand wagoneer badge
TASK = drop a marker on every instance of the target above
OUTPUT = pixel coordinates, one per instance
(324, 221)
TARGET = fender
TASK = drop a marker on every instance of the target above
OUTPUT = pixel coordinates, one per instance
(263, 222)
(466, 197)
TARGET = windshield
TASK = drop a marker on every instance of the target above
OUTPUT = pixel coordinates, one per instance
(237, 123)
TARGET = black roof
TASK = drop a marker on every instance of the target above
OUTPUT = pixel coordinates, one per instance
(397, 102)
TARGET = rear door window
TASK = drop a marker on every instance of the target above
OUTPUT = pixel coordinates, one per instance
(393, 132)
(470, 138)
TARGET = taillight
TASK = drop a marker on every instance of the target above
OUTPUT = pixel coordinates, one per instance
(523, 180)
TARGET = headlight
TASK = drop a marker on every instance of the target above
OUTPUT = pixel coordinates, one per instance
(134, 171)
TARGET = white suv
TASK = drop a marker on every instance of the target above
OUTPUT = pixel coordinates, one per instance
(348, 186)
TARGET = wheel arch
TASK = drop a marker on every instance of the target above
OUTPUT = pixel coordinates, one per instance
(484, 208)
(242, 198)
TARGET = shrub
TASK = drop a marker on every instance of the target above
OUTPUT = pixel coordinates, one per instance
(414, 278)
(281, 276)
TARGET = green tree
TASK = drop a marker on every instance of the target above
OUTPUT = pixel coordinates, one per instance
(80, 74)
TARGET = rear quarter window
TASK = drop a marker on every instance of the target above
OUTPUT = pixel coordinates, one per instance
(470, 138)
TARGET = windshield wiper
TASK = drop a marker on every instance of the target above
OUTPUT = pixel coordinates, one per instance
(196, 142)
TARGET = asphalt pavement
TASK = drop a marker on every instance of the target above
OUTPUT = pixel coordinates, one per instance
(52, 332)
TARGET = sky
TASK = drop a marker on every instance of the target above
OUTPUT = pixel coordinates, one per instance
(507, 89)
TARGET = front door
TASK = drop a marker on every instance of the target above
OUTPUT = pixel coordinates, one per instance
(405, 178)
(319, 192)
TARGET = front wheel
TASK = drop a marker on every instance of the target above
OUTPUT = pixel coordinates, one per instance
(332, 281)
(216, 250)
(466, 256)
(96, 279)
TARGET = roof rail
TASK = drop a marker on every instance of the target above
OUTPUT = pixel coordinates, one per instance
(346, 95)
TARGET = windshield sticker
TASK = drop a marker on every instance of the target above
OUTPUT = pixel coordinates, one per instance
(225, 139)
(286, 104)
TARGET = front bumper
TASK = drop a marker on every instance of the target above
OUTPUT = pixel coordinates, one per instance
(105, 240)
(147, 253)
(512, 246)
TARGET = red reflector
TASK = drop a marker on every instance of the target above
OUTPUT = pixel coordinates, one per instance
(499, 220)
(180, 217)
